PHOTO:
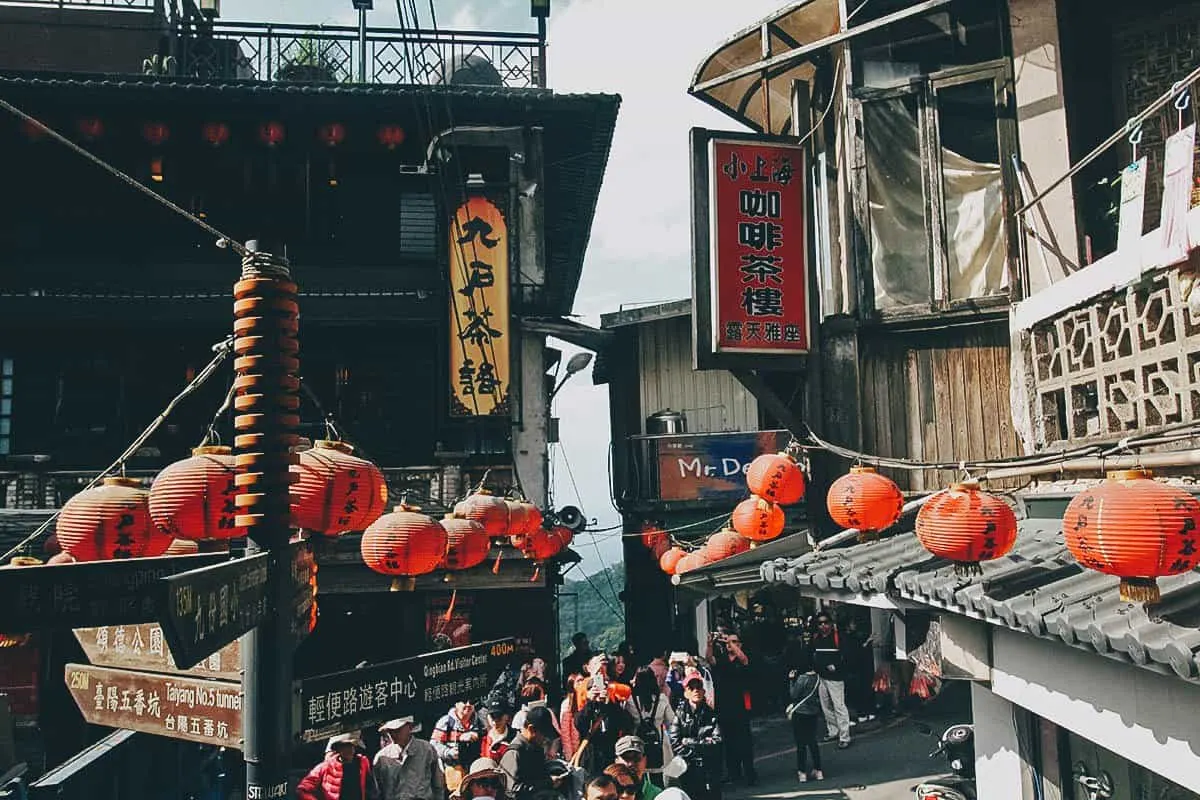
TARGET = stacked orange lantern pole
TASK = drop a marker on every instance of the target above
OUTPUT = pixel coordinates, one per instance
(965, 525)
(1135, 528)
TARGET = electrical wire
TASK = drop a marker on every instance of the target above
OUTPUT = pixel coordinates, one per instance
(223, 349)
(222, 239)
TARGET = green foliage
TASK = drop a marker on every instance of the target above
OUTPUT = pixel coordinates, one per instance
(587, 610)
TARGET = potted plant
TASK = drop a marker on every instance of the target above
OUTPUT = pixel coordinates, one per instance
(307, 62)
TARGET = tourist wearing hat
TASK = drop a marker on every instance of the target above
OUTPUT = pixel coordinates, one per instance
(696, 737)
(345, 774)
(407, 768)
(485, 781)
(631, 753)
(524, 762)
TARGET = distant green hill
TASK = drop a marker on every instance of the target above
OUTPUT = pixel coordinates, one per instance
(582, 606)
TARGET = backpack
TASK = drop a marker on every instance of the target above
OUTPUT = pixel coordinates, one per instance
(651, 736)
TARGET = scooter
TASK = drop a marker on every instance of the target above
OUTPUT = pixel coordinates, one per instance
(957, 743)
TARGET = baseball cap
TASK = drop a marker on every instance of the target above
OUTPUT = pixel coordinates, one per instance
(541, 720)
(692, 675)
(630, 744)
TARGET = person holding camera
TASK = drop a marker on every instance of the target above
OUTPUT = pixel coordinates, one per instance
(731, 674)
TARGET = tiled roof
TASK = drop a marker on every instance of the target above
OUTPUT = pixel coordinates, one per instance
(1037, 589)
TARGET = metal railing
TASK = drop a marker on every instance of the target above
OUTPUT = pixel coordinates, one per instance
(337, 54)
(122, 5)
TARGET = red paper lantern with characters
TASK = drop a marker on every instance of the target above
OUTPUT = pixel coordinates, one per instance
(404, 544)
(758, 520)
(776, 477)
(109, 521)
(865, 500)
(965, 525)
(194, 498)
(336, 491)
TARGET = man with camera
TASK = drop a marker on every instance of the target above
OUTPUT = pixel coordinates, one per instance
(731, 674)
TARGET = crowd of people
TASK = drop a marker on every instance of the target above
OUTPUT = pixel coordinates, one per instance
(673, 726)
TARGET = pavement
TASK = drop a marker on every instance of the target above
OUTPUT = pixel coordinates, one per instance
(886, 760)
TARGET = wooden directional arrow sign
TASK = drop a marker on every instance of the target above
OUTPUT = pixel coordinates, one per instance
(143, 648)
(208, 608)
(89, 594)
(175, 706)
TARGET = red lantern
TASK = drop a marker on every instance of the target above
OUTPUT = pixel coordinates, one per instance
(332, 134)
(518, 517)
(336, 491)
(725, 543)
(669, 560)
(391, 136)
(467, 543)
(90, 128)
(488, 510)
(404, 543)
(966, 526)
(1136, 528)
(271, 133)
(865, 500)
(194, 498)
(216, 133)
(652, 535)
(109, 521)
(662, 546)
(156, 133)
(776, 477)
(758, 519)
(543, 544)
(690, 562)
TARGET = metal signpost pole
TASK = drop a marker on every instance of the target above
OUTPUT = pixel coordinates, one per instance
(266, 386)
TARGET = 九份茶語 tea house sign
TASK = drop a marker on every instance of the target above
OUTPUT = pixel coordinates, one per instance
(359, 698)
(479, 321)
(750, 270)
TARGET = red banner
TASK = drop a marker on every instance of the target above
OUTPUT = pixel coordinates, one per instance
(758, 251)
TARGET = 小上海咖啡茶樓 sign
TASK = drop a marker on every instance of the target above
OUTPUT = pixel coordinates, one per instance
(175, 706)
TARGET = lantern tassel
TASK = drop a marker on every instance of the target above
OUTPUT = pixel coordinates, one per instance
(450, 608)
(537, 572)
(496, 566)
(967, 569)
(405, 583)
(1139, 590)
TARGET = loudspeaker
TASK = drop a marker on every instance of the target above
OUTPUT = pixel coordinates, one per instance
(572, 518)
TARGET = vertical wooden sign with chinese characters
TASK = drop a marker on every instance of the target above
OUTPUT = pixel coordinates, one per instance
(751, 281)
(479, 323)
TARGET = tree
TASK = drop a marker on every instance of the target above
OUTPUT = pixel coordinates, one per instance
(591, 605)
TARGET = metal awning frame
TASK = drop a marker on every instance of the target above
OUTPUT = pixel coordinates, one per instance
(788, 59)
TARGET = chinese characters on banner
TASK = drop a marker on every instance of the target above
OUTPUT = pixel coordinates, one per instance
(479, 324)
(758, 257)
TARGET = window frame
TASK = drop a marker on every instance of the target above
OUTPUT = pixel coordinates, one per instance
(925, 90)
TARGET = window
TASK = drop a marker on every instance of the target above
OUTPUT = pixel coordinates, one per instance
(937, 157)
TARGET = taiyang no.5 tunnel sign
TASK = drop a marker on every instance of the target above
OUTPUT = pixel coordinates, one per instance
(359, 698)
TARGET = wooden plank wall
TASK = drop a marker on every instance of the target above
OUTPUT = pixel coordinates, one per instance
(713, 400)
(937, 396)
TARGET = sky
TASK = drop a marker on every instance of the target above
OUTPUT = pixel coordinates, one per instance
(640, 249)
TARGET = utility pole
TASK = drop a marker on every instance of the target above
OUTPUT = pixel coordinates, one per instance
(266, 385)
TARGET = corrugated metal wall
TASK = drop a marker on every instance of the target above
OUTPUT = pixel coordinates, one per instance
(712, 399)
(937, 396)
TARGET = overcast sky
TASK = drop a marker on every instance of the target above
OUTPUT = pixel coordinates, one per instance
(646, 51)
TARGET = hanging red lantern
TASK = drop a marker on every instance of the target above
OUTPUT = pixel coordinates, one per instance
(488, 510)
(109, 521)
(332, 134)
(758, 519)
(391, 136)
(965, 525)
(467, 543)
(865, 500)
(542, 544)
(337, 491)
(216, 133)
(518, 517)
(776, 477)
(90, 128)
(691, 561)
(156, 133)
(404, 544)
(725, 543)
(194, 498)
(652, 535)
(271, 133)
(1136, 528)
(669, 560)
(662, 546)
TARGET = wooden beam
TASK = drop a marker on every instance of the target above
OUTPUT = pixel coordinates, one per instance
(773, 403)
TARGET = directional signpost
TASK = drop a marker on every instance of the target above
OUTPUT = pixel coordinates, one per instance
(358, 698)
(143, 648)
(90, 594)
(175, 706)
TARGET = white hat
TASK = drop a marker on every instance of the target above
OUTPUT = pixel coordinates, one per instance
(400, 722)
(343, 738)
